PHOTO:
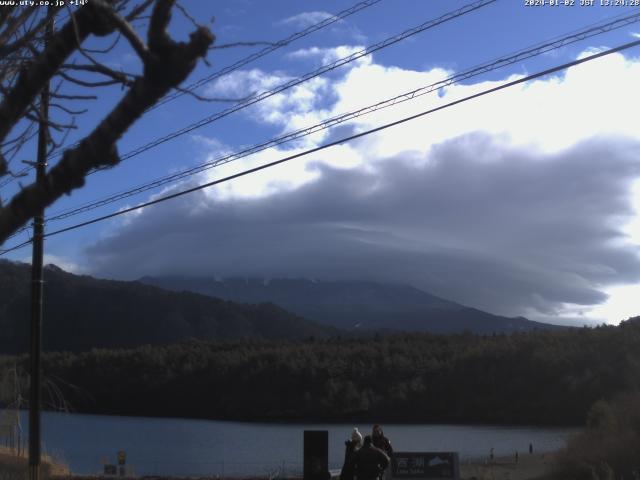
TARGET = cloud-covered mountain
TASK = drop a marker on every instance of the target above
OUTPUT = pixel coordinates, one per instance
(521, 203)
(505, 230)
(81, 312)
(353, 305)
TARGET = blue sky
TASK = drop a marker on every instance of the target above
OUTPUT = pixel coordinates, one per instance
(520, 203)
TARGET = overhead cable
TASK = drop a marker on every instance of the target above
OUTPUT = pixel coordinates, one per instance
(276, 45)
(305, 78)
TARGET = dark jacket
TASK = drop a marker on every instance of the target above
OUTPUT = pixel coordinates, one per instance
(383, 443)
(369, 463)
(347, 472)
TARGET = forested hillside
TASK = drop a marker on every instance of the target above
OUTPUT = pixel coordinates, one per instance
(81, 312)
(541, 377)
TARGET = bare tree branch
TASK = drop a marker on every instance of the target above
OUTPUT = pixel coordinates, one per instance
(35, 116)
(168, 65)
(68, 110)
(88, 84)
(137, 11)
(120, 77)
(44, 67)
(187, 15)
(106, 49)
(24, 39)
(56, 145)
(18, 137)
(74, 97)
(14, 25)
(125, 29)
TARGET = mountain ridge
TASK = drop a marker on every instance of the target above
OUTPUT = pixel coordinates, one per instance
(354, 305)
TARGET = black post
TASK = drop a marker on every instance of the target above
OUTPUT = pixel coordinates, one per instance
(316, 455)
(35, 347)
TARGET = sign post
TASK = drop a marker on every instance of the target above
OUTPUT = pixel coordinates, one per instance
(122, 459)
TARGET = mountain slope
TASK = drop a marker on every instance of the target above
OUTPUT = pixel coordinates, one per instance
(354, 305)
(82, 312)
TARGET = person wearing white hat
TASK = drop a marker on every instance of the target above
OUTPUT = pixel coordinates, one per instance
(351, 447)
(356, 436)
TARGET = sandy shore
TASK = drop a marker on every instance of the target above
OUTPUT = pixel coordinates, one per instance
(528, 467)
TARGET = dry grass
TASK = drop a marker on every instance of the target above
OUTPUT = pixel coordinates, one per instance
(528, 467)
(609, 448)
(14, 467)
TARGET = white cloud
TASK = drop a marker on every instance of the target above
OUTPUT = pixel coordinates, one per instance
(242, 83)
(295, 107)
(60, 261)
(330, 55)
(549, 114)
(306, 19)
(621, 304)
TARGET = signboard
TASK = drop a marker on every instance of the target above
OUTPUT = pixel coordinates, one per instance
(428, 465)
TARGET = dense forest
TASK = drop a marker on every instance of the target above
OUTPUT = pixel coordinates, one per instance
(539, 377)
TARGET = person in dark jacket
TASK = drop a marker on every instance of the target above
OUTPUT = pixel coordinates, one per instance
(383, 443)
(351, 447)
(369, 462)
(380, 441)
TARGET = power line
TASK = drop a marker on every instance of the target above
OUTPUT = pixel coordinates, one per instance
(297, 81)
(279, 44)
(342, 140)
(240, 63)
(332, 66)
(304, 78)
(538, 49)
(16, 247)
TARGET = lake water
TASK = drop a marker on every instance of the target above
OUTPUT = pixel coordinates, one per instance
(203, 447)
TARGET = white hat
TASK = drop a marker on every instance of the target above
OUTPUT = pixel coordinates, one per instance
(356, 436)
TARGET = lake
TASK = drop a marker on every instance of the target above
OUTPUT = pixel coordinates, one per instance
(204, 447)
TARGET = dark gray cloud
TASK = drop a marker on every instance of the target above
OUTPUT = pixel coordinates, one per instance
(499, 228)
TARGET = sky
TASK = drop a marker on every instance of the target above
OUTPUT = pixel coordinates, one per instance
(524, 202)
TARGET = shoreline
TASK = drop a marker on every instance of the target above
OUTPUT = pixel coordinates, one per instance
(328, 421)
(534, 466)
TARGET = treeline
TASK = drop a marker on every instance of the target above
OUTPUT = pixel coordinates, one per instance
(539, 377)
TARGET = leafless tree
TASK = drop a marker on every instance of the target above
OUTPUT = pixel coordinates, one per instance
(27, 64)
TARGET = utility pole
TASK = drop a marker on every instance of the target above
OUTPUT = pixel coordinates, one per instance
(35, 347)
